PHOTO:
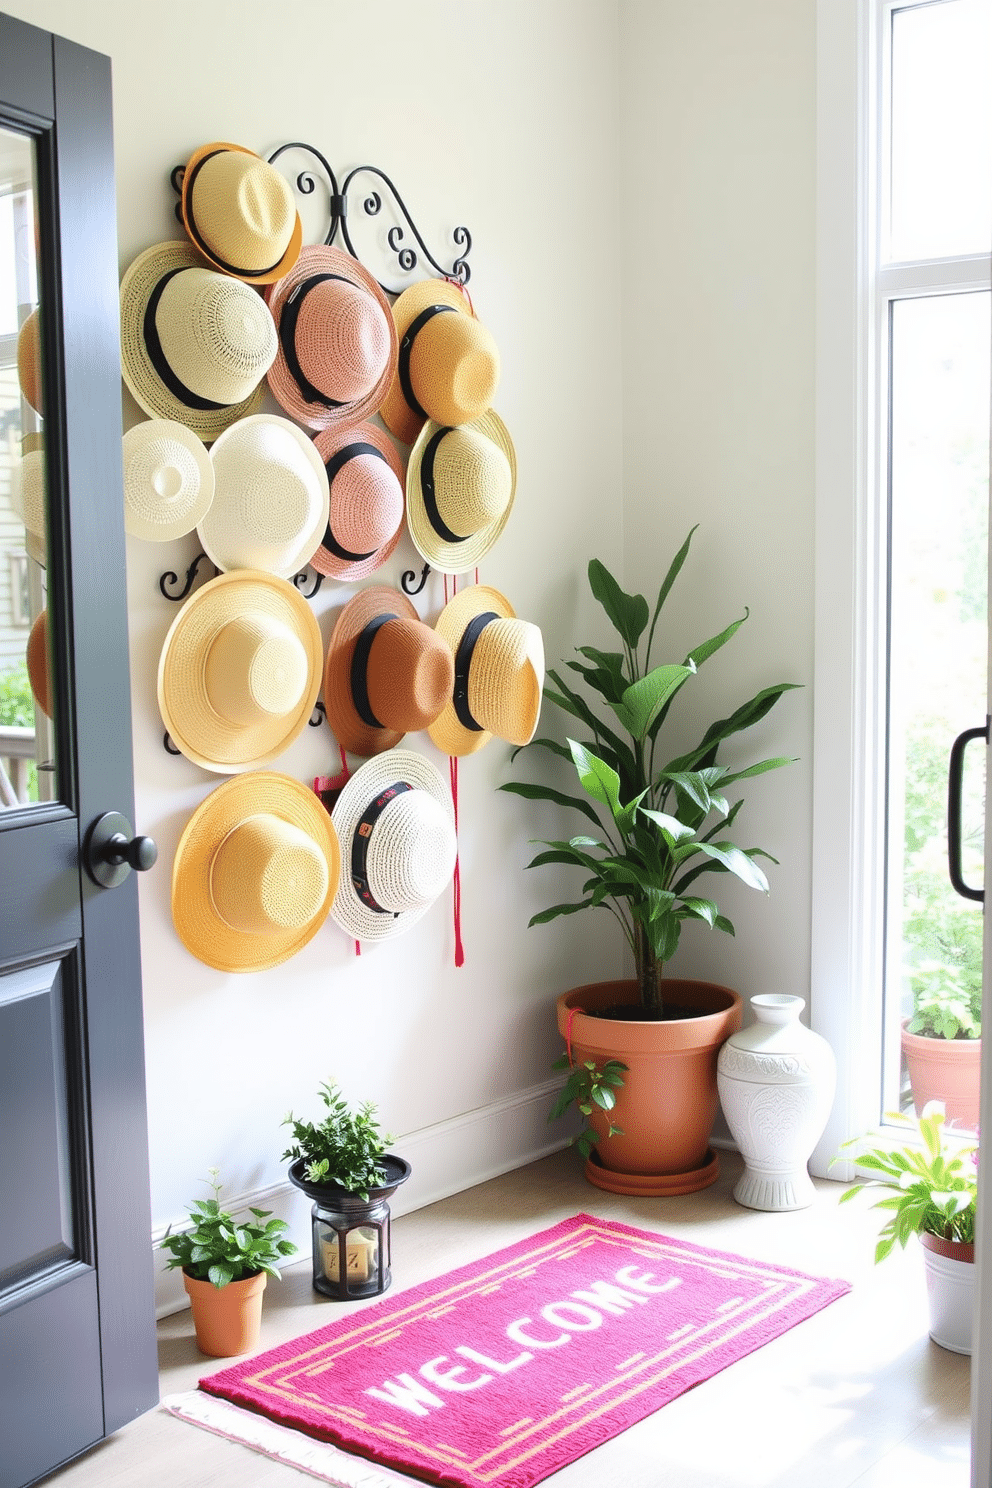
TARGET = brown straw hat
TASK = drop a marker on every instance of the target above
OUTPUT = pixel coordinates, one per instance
(168, 480)
(448, 364)
(39, 669)
(337, 340)
(460, 485)
(365, 522)
(239, 672)
(29, 362)
(195, 344)
(396, 825)
(499, 673)
(387, 674)
(239, 211)
(255, 873)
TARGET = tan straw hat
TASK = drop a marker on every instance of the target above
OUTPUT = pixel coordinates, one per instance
(499, 673)
(240, 213)
(168, 480)
(448, 364)
(239, 672)
(39, 668)
(365, 475)
(387, 674)
(195, 344)
(255, 873)
(29, 362)
(270, 497)
(337, 340)
(396, 825)
(460, 485)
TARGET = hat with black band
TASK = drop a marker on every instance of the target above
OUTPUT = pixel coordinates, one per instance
(365, 477)
(447, 364)
(239, 212)
(498, 673)
(460, 486)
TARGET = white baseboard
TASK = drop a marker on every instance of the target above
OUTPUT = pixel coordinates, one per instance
(445, 1158)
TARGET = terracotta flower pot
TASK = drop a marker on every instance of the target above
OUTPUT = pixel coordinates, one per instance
(227, 1319)
(948, 1070)
(669, 1099)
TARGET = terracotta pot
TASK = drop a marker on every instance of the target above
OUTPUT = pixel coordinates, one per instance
(227, 1319)
(669, 1098)
(947, 1070)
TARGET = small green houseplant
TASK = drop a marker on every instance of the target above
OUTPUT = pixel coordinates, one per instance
(345, 1148)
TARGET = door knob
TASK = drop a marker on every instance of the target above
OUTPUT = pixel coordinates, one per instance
(110, 851)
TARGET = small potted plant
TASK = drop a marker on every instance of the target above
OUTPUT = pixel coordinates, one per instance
(341, 1163)
(942, 1041)
(225, 1264)
(934, 1181)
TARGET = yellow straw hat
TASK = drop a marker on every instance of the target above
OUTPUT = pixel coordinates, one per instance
(387, 673)
(255, 873)
(29, 362)
(460, 485)
(396, 825)
(168, 480)
(448, 364)
(195, 344)
(240, 671)
(499, 673)
(239, 211)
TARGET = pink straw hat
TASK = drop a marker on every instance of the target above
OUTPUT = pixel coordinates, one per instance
(365, 475)
(337, 340)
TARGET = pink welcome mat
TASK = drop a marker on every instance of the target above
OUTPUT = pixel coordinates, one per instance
(504, 1371)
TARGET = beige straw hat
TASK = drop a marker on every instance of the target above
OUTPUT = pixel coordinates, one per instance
(168, 480)
(195, 344)
(396, 825)
(39, 668)
(448, 364)
(460, 485)
(337, 340)
(255, 873)
(29, 362)
(29, 493)
(270, 498)
(240, 213)
(366, 477)
(240, 671)
(499, 673)
(387, 674)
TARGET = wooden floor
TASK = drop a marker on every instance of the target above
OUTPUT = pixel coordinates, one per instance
(857, 1394)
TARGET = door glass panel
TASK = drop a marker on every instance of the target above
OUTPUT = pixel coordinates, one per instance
(939, 463)
(27, 697)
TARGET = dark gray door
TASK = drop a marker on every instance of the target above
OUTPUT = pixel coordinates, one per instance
(77, 1340)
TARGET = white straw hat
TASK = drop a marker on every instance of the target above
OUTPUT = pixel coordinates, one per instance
(460, 485)
(29, 494)
(499, 673)
(271, 498)
(168, 480)
(365, 523)
(195, 344)
(255, 872)
(395, 823)
(240, 671)
(239, 211)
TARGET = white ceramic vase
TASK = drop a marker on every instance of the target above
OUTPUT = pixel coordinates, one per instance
(776, 1080)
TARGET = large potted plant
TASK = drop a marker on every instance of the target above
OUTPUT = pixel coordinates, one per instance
(942, 1042)
(660, 825)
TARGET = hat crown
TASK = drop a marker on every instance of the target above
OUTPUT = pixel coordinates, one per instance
(216, 334)
(342, 340)
(243, 210)
(268, 875)
(271, 490)
(411, 852)
(255, 667)
(28, 491)
(167, 482)
(366, 504)
(409, 675)
(454, 368)
(29, 361)
(506, 679)
(472, 479)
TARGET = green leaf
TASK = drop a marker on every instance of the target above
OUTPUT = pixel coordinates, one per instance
(701, 909)
(628, 613)
(556, 910)
(220, 1274)
(596, 777)
(759, 769)
(673, 572)
(701, 653)
(645, 698)
(737, 862)
(546, 793)
(669, 824)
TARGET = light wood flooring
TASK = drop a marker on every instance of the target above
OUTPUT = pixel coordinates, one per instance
(857, 1394)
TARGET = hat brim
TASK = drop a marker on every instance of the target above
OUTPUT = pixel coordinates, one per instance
(397, 415)
(204, 934)
(200, 733)
(327, 443)
(144, 383)
(180, 521)
(314, 259)
(346, 724)
(458, 557)
(271, 275)
(348, 910)
(447, 731)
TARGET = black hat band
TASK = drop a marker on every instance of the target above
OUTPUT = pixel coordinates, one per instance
(288, 317)
(332, 466)
(359, 670)
(360, 845)
(463, 663)
(157, 356)
(428, 489)
(194, 231)
(406, 347)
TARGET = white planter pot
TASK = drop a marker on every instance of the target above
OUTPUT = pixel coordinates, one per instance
(950, 1292)
(776, 1080)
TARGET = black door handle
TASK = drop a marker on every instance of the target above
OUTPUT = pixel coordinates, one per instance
(110, 851)
(955, 775)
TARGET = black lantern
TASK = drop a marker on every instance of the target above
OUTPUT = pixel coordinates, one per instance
(351, 1244)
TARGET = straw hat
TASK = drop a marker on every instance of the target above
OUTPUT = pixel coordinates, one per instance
(499, 673)
(39, 671)
(396, 825)
(270, 498)
(460, 485)
(255, 872)
(29, 494)
(365, 475)
(337, 340)
(387, 674)
(448, 364)
(240, 213)
(168, 480)
(195, 345)
(239, 672)
(29, 362)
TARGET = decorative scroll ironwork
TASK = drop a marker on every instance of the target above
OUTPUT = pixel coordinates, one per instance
(169, 579)
(408, 581)
(168, 745)
(176, 182)
(318, 715)
(304, 578)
